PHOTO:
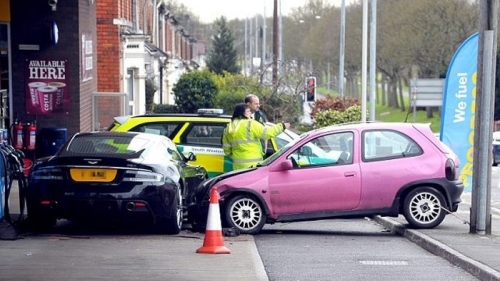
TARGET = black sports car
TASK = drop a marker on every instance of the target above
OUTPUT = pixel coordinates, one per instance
(113, 176)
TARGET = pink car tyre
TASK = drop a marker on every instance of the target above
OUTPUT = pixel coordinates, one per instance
(245, 214)
(423, 207)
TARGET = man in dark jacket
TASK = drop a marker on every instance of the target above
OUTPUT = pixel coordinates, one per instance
(254, 104)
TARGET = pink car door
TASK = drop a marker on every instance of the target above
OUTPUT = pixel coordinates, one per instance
(326, 177)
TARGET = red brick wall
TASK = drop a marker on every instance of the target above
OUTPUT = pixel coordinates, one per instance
(168, 36)
(109, 56)
(108, 45)
(109, 49)
(178, 43)
(183, 48)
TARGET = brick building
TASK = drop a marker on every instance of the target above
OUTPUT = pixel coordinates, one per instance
(152, 46)
(76, 64)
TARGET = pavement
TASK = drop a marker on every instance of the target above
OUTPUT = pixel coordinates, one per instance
(452, 240)
(477, 254)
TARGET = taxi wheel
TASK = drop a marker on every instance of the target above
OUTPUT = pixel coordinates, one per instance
(245, 213)
(422, 208)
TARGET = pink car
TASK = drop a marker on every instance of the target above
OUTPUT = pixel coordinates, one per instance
(353, 170)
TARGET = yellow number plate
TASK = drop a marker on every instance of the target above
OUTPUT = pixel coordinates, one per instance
(93, 175)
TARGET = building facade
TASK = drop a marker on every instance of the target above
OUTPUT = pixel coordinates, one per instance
(77, 64)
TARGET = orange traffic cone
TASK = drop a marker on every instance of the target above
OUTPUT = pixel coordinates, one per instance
(213, 242)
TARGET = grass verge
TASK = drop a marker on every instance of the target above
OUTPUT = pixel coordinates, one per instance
(389, 114)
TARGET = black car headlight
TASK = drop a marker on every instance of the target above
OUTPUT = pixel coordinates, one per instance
(203, 190)
(208, 182)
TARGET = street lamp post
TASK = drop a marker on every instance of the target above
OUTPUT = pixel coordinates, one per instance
(342, 44)
(480, 216)
(364, 60)
(256, 35)
(250, 44)
(373, 60)
(245, 58)
(275, 43)
(280, 34)
(264, 26)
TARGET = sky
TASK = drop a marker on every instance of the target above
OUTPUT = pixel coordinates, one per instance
(208, 10)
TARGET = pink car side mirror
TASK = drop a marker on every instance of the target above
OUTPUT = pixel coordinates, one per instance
(286, 165)
(283, 166)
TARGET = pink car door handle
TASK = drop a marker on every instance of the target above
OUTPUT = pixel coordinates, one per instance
(349, 174)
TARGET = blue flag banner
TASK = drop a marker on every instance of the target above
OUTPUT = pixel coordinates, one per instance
(459, 106)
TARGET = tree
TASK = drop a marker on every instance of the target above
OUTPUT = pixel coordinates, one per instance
(426, 37)
(194, 90)
(222, 56)
(232, 90)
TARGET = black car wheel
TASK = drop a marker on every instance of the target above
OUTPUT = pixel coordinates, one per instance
(245, 213)
(173, 224)
(38, 220)
(422, 208)
(197, 223)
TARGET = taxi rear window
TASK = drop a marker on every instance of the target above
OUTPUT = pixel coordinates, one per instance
(165, 129)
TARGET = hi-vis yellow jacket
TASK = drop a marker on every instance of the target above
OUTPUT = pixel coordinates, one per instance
(241, 141)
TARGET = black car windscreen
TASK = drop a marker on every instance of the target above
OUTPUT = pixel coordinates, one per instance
(127, 147)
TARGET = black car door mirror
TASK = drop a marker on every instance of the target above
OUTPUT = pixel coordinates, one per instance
(191, 156)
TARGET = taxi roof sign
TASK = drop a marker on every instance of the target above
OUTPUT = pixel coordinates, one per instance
(215, 111)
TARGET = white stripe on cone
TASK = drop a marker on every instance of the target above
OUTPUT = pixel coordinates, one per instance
(213, 222)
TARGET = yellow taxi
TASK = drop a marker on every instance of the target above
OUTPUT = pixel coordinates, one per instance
(200, 133)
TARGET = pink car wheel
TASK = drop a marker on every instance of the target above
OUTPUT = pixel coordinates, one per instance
(245, 214)
(423, 207)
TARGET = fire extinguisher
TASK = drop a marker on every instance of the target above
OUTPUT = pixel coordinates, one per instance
(18, 136)
(30, 136)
